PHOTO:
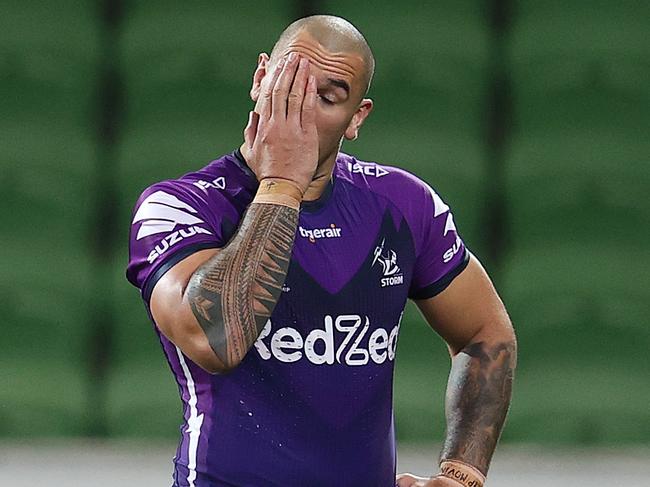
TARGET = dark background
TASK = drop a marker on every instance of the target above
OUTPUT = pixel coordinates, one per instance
(530, 118)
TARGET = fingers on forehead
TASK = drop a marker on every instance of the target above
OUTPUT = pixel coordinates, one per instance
(274, 75)
(264, 105)
(308, 114)
(302, 75)
(282, 86)
(287, 74)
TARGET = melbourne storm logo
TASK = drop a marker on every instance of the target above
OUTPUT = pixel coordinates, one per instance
(386, 259)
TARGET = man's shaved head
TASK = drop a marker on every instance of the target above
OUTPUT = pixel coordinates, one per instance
(336, 35)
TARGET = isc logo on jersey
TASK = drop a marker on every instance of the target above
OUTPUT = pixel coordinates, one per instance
(343, 339)
(161, 212)
(372, 170)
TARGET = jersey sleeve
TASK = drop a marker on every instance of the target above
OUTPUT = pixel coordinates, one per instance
(440, 252)
(172, 220)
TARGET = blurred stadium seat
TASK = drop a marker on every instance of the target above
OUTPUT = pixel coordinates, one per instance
(579, 287)
(580, 143)
(580, 310)
(579, 209)
(582, 30)
(575, 168)
(47, 77)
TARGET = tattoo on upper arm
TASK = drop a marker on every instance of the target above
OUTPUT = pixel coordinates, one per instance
(478, 397)
(234, 293)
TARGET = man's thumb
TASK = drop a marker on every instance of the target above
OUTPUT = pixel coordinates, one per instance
(250, 132)
(405, 480)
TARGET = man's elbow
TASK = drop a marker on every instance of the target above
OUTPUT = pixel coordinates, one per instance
(205, 357)
(194, 344)
(506, 334)
(508, 344)
(496, 334)
(215, 368)
(501, 340)
(495, 330)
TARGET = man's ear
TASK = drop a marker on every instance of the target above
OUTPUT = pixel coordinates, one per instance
(364, 109)
(258, 75)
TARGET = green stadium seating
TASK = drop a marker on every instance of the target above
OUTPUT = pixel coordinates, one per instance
(577, 159)
(560, 284)
(49, 59)
(68, 32)
(576, 185)
(430, 60)
(578, 188)
(576, 166)
(422, 36)
(163, 42)
(48, 64)
(583, 29)
(580, 310)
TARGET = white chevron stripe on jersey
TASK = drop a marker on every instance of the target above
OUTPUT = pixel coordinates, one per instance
(449, 224)
(161, 212)
(439, 206)
(194, 421)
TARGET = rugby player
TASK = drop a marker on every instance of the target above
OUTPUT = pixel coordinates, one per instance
(277, 276)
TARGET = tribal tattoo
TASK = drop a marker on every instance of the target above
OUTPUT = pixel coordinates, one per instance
(234, 293)
(478, 397)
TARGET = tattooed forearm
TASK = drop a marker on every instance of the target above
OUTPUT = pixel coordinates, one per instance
(478, 397)
(234, 293)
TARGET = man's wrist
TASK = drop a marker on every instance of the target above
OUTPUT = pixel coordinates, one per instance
(465, 474)
(278, 191)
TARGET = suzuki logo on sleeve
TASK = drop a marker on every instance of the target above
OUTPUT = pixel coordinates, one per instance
(172, 239)
(387, 260)
(162, 212)
(451, 251)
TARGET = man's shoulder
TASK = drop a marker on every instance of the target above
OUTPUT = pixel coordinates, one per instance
(388, 180)
(197, 210)
(413, 197)
(225, 178)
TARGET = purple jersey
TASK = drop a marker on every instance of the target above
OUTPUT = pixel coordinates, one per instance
(311, 403)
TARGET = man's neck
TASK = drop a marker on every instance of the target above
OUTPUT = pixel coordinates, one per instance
(320, 180)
